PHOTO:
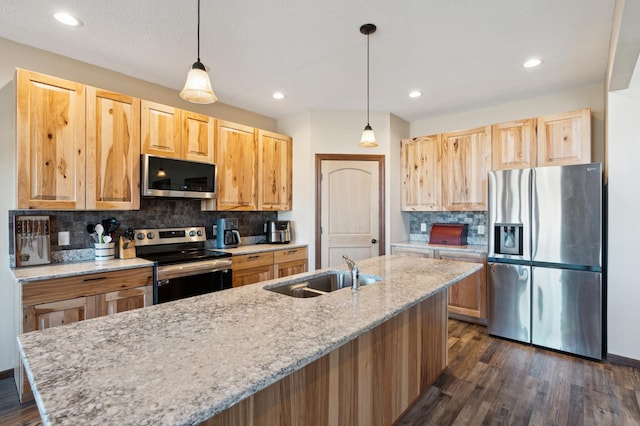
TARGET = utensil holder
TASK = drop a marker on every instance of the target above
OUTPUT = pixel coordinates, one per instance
(105, 251)
(126, 248)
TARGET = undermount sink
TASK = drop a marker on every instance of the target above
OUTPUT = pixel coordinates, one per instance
(321, 284)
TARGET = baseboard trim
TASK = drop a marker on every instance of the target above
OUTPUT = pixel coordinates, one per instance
(466, 318)
(7, 374)
(622, 360)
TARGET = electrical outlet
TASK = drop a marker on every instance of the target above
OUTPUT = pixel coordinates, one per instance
(63, 238)
(423, 227)
(480, 229)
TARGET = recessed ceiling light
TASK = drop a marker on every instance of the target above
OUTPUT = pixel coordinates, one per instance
(278, 95)
(532, 62)
(67, 19)
(415, 94)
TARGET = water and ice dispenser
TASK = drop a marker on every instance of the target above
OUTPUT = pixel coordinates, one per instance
(508, 238)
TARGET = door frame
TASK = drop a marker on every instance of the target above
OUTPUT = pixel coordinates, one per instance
(381, 196)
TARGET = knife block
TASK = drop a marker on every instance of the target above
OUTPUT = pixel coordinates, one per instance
(126, 248)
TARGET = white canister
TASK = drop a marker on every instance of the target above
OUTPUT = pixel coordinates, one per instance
(105, 251)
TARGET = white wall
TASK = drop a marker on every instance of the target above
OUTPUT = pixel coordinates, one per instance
(399, 220)
(8, 191)
(623, 136)
(303, 213)
(338, 132)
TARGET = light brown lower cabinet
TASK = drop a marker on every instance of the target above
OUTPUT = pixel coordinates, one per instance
(468, 297)
(252, 275)
(257, 267)
(290, 262)
(60, 301)
(124, 300)
(47, 315)
(252, 268)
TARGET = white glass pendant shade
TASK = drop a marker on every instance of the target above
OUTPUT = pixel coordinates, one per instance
(368, 139)
(198, 89)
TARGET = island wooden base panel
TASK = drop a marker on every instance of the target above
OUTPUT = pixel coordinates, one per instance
(369, 381)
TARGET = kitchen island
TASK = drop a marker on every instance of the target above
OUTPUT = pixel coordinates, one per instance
(249, 353)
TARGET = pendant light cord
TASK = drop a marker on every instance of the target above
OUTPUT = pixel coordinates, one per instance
(199, 31)
(367, 78)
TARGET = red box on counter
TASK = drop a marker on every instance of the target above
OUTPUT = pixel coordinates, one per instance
(449, 233)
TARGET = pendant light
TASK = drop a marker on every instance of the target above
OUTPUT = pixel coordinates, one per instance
(368, 139)
(198, 89)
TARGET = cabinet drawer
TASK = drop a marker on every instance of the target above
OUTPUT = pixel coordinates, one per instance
(461, 256)
(289, 255)
(401, 251)
(251, 260)
(56, 289)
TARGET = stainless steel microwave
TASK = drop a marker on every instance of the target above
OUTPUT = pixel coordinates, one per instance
(169, 177)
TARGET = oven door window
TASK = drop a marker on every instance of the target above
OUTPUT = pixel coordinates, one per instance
(192, 285)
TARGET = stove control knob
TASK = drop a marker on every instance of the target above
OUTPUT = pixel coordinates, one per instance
(192, 233)
(150, 235)
(140, 236)
(199, 233)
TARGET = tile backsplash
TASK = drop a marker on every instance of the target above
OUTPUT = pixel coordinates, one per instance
(473, 219)
(153, 213)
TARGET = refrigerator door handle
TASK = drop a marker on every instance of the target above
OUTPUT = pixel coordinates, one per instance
(539, 302)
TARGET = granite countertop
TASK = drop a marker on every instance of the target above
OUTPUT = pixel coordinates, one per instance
(184, 361)
(257, 248)
(471, 248)
(60, 270)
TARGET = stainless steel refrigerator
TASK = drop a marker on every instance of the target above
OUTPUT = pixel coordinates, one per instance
(545, 257)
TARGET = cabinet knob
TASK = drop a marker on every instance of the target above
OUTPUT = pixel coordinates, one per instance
(373, 241)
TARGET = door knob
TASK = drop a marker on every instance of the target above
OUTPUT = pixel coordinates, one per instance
(374, 241)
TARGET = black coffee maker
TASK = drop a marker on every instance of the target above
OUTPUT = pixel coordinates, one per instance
(227, 234)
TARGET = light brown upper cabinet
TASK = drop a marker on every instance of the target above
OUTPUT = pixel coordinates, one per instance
(78, 146)
(113, 151)
(422, 176)
(196, 139)
(236, 147)
(466, 159)
(274, 171)
(513, 144)
(175, 133)
(160, 130)
(564, 138)
(51, 142)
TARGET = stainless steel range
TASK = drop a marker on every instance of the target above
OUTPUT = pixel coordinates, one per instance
(183, 266)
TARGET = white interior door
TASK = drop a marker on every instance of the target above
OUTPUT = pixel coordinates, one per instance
(350, 211)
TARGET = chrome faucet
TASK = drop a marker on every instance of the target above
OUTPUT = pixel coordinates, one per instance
(355, 273)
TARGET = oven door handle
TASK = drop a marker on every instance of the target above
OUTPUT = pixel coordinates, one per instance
(185, 269)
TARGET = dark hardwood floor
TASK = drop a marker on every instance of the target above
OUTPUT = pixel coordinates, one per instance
(11, 411)
(489, 381)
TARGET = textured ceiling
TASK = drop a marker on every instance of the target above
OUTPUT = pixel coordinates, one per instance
(461, 54)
